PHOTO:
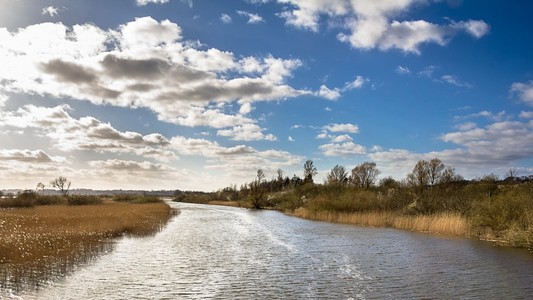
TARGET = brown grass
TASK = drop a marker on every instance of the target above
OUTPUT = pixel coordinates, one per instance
(449, 224)
(59, 231)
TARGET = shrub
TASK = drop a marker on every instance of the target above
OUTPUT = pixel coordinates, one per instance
(83, 200)
(50, 200)
(136, 199)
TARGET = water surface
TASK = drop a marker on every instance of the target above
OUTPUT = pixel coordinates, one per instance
(233, 253)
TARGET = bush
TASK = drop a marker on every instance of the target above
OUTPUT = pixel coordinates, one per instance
(24, 199)
(136, 199)
(50, 200)
(83, 200)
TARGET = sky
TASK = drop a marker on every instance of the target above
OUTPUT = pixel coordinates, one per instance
(199, 95)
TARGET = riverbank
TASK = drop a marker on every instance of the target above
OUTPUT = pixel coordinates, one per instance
(59, 232)
(446, 223)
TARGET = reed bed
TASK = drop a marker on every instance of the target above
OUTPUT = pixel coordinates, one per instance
(448, 223)
(58, 231)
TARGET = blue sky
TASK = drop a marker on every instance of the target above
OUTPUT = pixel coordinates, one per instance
(198, 95)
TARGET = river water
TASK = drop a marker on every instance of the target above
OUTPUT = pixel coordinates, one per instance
(233, 253)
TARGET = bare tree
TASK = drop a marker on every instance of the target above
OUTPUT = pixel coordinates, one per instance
(419, 177)
(62, 184)
(434, 170)
(511, 174)
(337, 175)
(309, 171)
(365, 174)
(257, 191)
(40, 187)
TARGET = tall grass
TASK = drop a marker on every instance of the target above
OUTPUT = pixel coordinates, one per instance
(60, 231)
(449, 224)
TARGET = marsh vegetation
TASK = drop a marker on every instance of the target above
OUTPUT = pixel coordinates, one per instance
(39, 233)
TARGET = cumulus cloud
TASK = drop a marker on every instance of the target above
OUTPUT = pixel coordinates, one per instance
(499, 143)
(342, 149)
(524, 91)
(86, 133)
(347, 127)
(144, 63)
(25, 155)
(330, 94)
(225, 18)
(252, 18)
(247, 132)
(52, 11)
(375, 24)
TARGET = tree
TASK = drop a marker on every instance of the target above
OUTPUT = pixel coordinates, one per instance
(337, 175)
(511, 174)
(309, 171)
(365, 174)
(62, 184)
(449, 175)
(426, 173)
(434, 169)
(40, 187)
(257, 191)
(418, 177)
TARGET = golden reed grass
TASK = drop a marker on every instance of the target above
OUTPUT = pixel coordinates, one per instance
(60, 231)
(449, 224)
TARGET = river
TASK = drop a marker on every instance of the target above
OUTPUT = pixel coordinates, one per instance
(233, 253)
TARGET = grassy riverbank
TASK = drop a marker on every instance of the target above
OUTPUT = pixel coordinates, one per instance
(445, 223)
(61, 231)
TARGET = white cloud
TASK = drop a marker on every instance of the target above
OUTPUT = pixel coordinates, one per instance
(246, 132)
(375, 24)
(252, 18)
(347, 127)
(402, 70)
(143, 64)
(30, 156)
(86, 133)
(451, 79)
(145, 2)
(291, 139)
(524, 91)
(356, 84)
(330, 94)
(225, 18)
(427, 72)
(342, 149)
(526, 114)
(496, 144)
(52, 11)
(475, 28)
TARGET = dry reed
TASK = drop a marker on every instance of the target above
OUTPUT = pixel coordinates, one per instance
(449, 224)
(59, 231)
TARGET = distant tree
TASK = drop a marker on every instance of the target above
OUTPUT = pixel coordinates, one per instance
(511, 174)
(257, 191)
(40, 187)
(309, 171)
(337, 175)
(388, 183)
(364, 175)
(280, 175)
(449, 175)
(62, 184)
